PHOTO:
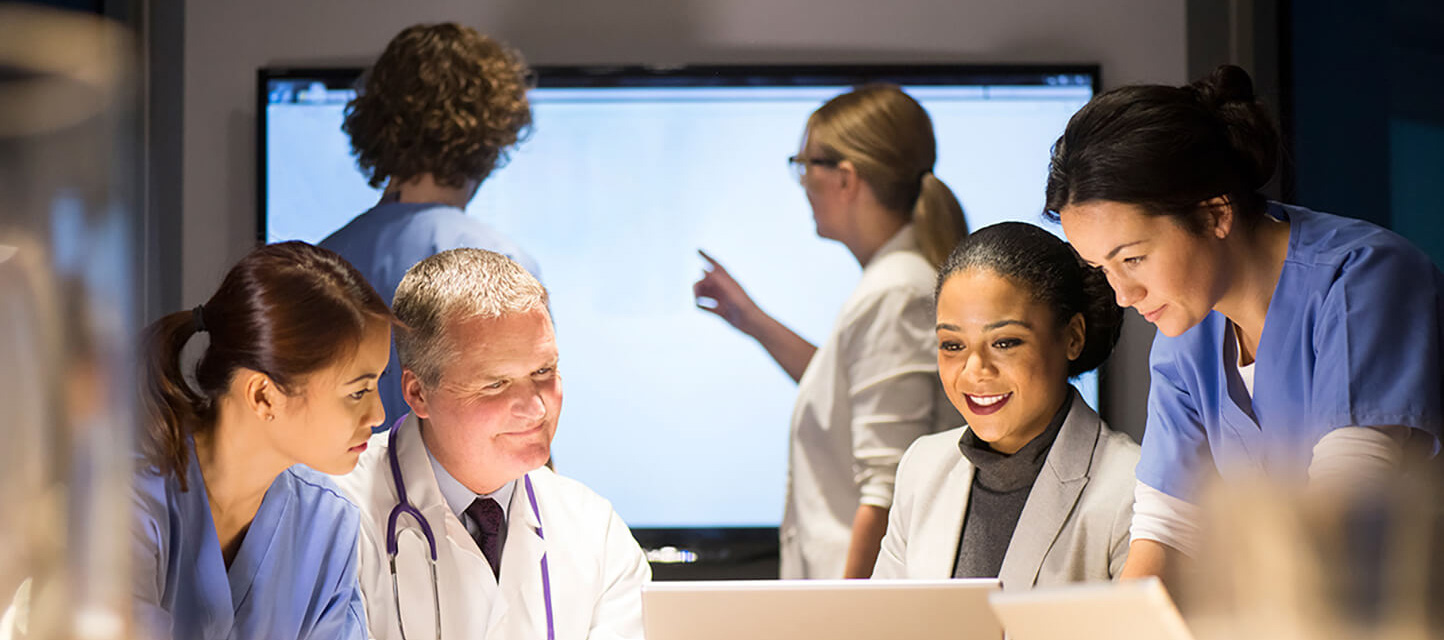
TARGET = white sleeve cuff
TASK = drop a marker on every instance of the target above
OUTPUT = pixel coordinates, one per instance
(1165, 519)
(878, 491)
(1358, 456)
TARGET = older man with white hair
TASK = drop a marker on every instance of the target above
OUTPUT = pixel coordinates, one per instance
(462, 525)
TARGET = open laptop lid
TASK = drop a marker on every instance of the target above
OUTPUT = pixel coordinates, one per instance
(833, 609)
(1130, 610)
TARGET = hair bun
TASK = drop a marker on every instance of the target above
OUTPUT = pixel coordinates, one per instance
(1228, 95)
(1102, 319)
(1227, 84)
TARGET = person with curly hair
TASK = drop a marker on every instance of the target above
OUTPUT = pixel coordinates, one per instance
(436, 114)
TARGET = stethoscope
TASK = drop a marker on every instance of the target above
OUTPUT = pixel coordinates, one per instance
(404, 506)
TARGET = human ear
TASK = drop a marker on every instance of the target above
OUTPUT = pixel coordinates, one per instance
(1221, 216)
(1075, 336)
(411, 390)
(847, 177)
(262, 397)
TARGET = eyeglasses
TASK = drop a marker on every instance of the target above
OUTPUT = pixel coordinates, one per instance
(799, 165)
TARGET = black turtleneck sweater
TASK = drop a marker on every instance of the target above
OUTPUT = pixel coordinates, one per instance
(1001, 484)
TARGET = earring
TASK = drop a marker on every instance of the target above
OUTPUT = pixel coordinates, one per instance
(270, 417)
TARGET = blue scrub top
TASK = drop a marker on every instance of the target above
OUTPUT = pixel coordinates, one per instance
(293, 577)
(1352, 338)
(387, 240)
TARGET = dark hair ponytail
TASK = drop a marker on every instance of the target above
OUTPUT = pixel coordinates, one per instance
(1168, 149)
(286, 310)
(1053, 274)
(167, 401)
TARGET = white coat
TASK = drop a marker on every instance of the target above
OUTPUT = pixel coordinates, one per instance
(596, 567)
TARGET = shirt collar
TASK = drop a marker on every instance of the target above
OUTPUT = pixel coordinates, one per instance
(458, 497)
(903, 240)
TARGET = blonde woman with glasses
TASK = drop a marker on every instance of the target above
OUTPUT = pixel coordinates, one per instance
(872, 388)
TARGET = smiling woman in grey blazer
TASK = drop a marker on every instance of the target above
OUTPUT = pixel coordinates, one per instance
(1035, 489)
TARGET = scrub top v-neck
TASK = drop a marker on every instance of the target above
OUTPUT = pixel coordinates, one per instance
(294, 575)
(1354, 336)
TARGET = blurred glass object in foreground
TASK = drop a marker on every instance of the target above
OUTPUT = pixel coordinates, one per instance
(67, 323)
(1357, 562)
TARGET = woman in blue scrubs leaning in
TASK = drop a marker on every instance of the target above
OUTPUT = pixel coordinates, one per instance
(237, 534)
(1296, 345)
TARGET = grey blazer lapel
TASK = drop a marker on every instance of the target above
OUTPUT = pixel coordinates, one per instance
(1054, 495)
(934, 548)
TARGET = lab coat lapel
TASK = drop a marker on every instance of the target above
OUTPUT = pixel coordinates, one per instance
(520, 609)
(1054, 495)
(458, 557)
(421, 487)
(425, 493)
(936, 539)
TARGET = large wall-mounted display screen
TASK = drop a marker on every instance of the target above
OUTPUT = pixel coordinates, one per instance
(671, 414)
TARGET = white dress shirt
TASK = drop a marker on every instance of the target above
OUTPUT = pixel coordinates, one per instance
(459, 498)
(868, 392)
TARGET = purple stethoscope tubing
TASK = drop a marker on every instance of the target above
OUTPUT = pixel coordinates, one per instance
(404, 506)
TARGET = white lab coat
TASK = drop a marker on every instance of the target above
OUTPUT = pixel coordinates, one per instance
(596, 567)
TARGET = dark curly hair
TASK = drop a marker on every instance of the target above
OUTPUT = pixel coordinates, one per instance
(442, 99)
(1052, 272)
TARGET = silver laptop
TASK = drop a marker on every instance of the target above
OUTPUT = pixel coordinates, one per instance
(832, 609)
(1129, 610)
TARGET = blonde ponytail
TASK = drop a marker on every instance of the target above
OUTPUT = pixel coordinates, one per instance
(938, 220)
(889, 137)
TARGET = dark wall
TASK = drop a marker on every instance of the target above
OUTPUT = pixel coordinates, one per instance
(1415, 61)
(1367, 84)
(87, 6)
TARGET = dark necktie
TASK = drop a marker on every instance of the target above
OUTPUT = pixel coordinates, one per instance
(487, 514)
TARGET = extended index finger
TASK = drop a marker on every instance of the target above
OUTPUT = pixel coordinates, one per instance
(708, 258)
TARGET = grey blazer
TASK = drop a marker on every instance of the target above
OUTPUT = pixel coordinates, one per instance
(1074, 527)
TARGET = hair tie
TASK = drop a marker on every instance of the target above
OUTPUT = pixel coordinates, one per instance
(198, 318)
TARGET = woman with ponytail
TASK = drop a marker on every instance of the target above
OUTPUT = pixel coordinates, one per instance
(238, 534)
(1035, 489)
(1301, 345)
(870, 390)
